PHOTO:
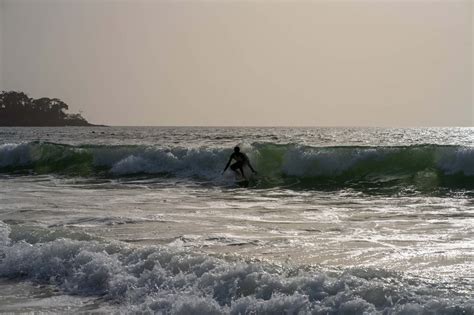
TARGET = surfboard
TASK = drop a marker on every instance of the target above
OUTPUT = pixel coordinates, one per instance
(243, 182)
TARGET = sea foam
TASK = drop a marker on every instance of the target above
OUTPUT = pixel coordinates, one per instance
(160, 279)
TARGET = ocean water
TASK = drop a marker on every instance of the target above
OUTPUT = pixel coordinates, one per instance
(140, 220)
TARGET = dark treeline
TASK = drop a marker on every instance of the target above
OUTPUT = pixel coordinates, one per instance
(17, 109)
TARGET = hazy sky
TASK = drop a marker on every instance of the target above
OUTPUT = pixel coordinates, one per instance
(313, 63)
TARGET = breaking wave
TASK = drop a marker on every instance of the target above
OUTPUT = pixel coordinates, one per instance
(158, 279)
(424, 166)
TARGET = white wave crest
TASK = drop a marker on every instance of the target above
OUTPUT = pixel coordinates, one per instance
(13, 154)
(202, 162)
(459, 160)
(302, 161)
(271, 160)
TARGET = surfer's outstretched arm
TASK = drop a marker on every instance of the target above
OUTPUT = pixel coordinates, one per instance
(247, 160)
(228, 163)
(250, 165)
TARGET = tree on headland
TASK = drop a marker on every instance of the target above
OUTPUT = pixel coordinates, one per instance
(17, 109)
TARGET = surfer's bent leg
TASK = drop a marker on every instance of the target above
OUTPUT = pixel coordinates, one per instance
(237, 165)
(242, 171)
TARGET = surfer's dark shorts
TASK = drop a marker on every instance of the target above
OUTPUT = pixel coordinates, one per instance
(237, 165)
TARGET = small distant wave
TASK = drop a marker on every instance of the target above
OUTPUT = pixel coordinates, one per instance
(159, 279)
(423, 166)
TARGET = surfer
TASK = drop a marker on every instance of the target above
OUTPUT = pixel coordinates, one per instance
(241, 159)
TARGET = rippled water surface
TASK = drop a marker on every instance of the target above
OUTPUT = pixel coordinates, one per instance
(337, 220)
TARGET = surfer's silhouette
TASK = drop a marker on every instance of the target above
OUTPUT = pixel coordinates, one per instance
(241, 161)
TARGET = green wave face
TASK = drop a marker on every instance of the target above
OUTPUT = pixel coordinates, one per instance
(46, 158)
(421, 167)
(425, 167)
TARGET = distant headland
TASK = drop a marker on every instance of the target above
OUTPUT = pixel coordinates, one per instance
(17, 109)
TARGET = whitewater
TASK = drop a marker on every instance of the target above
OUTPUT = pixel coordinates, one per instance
(140, 220)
